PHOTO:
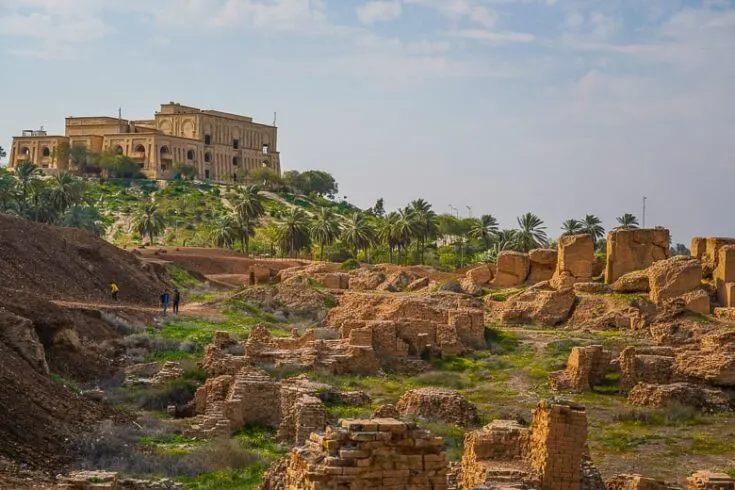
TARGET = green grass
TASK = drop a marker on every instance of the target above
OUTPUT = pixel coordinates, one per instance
(181, 278)
(230, 479)
(624, 440)
(453, 438)
(170, 355)
(203, 297)
(262, 441)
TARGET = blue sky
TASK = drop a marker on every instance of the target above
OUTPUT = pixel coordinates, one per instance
(559, 107)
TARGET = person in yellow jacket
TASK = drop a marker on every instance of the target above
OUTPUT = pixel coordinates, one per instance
(115, 291)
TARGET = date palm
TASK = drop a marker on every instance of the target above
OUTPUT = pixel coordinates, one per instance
(627, 221)
(357, 232)
(324, 228)
(485, 228)
(592, 225)
(572, 227)
(245, 206)
(83, 217)
(66, 191)
(531, 233)
(149, 221)
(223, 231)
(424, 224)
(293, 230)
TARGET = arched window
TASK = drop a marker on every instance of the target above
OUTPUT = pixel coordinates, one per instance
(165, 150)
(45, 152)
(235, 161)
(265, 163)
(190, 155)
(119, 150)
(208, 157)
(25, 151)
(140, 149)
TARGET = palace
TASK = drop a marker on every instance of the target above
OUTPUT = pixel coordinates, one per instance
(222, 146)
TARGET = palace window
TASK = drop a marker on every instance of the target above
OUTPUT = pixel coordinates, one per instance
(235, 161)
(206, 173)
(119, 150)
(45, 152)
(207, 139)
(165, 150)
(140, 149)
(190, 155)
(25, 151)
(236, 144)
(208, 157)
(265, 149)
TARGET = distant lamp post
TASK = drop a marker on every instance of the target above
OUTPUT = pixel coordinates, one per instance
(643, 218)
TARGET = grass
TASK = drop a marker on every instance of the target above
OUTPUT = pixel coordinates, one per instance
(230, 479)
(181, 278)
(674, 415)
(170, 355)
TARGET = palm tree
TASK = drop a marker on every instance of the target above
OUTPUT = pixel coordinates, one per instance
(293, 230)
(3, 154)
(531, 233)
(627, 221)
(246, 206)
(357, 232)
(404, 230)
(425, 224)
(8, 192)
(83, 217)
(387, 232)
(66, 191)
(592, 225)
(484, 229)
(149, 221)
(223, 231)
(572, 227)
(28, 175)
(324, 228)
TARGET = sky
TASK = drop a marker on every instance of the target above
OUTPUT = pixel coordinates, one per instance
(558, 107)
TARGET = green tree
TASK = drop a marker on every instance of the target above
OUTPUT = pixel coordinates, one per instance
(85, 218)
(627, 221)
(572, 227)
(78, 158)
(592, 225)
(3, 154)
(531, 233)
(424, 224)
(293, 230)
(324, 228)
(269, 179)
(485, 228)
(185, 171)
(149, 221)
(118, 166)
(357, 232)
(29, 186)
(223, 231)
(8, 192)
(246, 206)
(66, 191)
(379, 208)
(318, 182)
(387, 232)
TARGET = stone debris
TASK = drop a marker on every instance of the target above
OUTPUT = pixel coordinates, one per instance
(724, 276)
(363, 454)
(651, 365)
(586, 368)
(542, 265)
(707, 480)
(398, 281)
(152, 373)
(480, 275)
(635, 482)
(711, 361)
(20, 335)
(576, 254)
(689, 394)
(387, 411)
(632, 282)
(106, 480)
(707, 250)
(551, 454)
(437, 404)
(630, 250)
(674, 277)
(538, 305)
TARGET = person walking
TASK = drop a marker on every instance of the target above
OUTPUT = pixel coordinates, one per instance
(164, 301)
(177, 299)
(115, 290)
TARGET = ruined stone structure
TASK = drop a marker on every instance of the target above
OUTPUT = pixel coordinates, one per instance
(586, 367)
(514, 269)
(364, 454)
(222, 146)
(634, 482)
(402, 328)
(153, 374)
(724, 275)
(576, 255)
(652, 365)
(437, 404)
(630, 250)
(551, 455)
(706, 480)
(538, 305)
(542, 265)
(228, 403)
(707, 250)
(690, 394)
(106, 480)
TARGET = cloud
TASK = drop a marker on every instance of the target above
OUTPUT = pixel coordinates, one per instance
(379, 11)
(494, 37)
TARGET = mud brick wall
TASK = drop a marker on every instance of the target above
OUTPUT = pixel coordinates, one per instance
(369, 454)
(501, 440)
(558, 443)
(252, 399)
(586, 367)
(631, 250)
(705, 480)
(635, 367)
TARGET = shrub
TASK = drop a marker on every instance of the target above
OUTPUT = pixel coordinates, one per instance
(350, 264)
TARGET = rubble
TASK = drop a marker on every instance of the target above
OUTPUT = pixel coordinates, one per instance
(437, 404)
(707, 480)
(18, 333)
(106, 480)
(724, 276)
(674, 277)
(152, 373)
(586, 367)
(480, 275)
(652, 365)
(632, 282)
(634, 482)
(538, 305)
(689, 394)
(542, 265)
(630, 250)
(707, 250)
(370, 453)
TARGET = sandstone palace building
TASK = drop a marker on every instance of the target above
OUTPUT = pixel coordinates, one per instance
(220, 145)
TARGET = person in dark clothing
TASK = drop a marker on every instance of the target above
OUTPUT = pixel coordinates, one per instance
(177, 299)
(164, 301)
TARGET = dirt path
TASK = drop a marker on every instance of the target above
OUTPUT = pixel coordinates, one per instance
(148, 312)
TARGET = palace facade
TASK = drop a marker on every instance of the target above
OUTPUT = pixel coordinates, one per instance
(222, 146)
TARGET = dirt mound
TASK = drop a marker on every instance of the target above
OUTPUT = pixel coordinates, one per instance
(439, 405)
(65, 263)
